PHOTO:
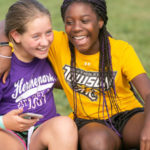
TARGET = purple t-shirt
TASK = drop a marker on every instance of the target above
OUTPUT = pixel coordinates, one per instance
(29, 85)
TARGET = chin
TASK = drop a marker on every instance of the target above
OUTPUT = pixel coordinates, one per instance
(42, 57)
(83, 51)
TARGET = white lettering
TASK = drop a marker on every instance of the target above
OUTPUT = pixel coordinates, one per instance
(30, 87)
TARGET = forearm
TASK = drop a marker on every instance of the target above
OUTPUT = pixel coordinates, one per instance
(5, 52)
(147, 109)
(57, 85)
(142, 85)
(3, 37)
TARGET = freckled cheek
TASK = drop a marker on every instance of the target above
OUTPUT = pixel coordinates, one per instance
(33, 45)
(51, 38)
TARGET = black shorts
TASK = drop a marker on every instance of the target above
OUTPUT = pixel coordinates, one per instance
(118, 121)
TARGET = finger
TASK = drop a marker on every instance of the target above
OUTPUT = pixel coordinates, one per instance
(5, 77)
(30, 122)
(147, 146)
(34, 121)
(26, 124)
(20, 110)
(142, 145)
(17, 111)
(22, 128)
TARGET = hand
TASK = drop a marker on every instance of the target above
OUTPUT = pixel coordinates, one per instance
(145, 138)
(13, 121)
(5, 63)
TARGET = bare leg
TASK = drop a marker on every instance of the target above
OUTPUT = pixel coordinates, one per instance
(58, 133)
(9, 141)
(96, 136)
(132, 131)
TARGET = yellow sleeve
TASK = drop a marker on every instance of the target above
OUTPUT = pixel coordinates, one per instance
(131, 65)
(57, 49)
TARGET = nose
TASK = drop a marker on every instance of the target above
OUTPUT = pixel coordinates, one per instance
(44, 41)
(77, 27)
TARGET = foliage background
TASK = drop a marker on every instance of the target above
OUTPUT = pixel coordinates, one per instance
(129, 20)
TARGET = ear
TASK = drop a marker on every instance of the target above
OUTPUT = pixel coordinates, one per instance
(101, 23)
(15, 35)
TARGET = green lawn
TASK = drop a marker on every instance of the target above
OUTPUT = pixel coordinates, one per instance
(129, 20)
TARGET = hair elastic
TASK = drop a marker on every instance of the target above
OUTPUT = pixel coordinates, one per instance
(11, 45)
(4, 43)
(2, 123)
(7, 44)
(2, 56)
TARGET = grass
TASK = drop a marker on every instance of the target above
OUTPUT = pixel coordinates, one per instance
(128, 20)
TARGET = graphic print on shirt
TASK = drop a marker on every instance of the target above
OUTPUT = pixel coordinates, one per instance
(87, 82)
(32, 93)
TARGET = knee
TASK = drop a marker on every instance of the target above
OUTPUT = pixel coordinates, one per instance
(96, 141)
(56, 130)
(62, 128)
(66, 126)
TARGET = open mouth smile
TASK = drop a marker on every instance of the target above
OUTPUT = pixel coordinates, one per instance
(80, 40)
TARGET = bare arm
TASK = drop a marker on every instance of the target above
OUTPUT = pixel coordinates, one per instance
(142, 84)
(57, 85)
(4, 51)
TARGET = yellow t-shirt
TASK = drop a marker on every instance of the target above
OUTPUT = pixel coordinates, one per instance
(126, 66)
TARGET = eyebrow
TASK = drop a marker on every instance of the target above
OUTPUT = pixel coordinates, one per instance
(81, 16)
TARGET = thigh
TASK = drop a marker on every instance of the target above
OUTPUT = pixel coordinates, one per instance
(132, 130)
(14, 142)
(56, 133)
(98, 136)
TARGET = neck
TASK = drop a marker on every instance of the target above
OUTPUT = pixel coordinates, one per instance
(22, 55)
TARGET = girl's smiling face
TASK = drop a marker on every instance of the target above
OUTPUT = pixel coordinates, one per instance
(82, 27)
(36, 39)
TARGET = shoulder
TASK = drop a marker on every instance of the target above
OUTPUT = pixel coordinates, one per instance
(59, 35)
(120, 46)
(118, 43)
(60, 41)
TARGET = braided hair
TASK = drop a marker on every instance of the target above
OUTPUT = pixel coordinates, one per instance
(105, 63)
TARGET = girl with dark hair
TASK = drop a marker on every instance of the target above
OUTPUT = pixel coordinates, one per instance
(28, 88)
(96, 72)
